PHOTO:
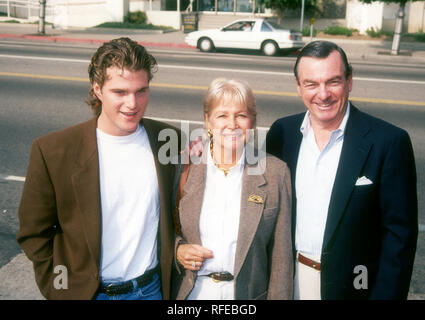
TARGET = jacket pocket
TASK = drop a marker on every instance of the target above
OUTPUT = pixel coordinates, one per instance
(364, 189)
(270, 213)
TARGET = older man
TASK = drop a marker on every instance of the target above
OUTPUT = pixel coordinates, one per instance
(354, 179)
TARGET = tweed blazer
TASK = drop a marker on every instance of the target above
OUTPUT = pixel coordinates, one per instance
(263, 261)
(60, 210)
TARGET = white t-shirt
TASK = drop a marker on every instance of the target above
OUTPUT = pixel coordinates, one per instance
(130, 205)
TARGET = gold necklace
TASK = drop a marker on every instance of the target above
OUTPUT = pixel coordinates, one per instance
(225, 171)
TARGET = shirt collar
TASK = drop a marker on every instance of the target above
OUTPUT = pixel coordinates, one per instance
(305, 125)
(239, 166)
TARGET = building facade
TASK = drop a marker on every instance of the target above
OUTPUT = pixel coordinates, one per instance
(216, 13)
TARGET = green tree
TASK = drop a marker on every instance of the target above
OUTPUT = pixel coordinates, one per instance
(282, 5)
(398, 23)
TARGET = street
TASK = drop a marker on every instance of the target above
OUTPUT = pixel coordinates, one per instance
(43, 87)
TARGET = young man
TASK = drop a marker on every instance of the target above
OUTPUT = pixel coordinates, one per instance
(95, 213)
(355, 208)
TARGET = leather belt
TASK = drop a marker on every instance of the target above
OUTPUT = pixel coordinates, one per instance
(220, 276)
(308, 262)
(127, 286)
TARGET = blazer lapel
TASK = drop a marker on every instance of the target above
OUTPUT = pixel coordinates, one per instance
(191, 202)
(250, 215)
(292, 146)
(354, 153)
(164, 175)
(86, 185)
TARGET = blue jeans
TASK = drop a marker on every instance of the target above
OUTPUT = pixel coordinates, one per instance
(152, 291)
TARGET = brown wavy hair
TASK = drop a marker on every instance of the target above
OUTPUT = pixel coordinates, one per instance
(122, 53)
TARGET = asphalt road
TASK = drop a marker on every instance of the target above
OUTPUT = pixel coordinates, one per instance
(43, 87)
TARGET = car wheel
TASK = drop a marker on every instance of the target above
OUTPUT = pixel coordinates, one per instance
(205, 45)
(269, 48)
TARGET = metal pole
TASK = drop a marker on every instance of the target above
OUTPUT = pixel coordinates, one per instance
(398, 30)
(312, 21)
(8, 8)
(302, 16)
(41, 17)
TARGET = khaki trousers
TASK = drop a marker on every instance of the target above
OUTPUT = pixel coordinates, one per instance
(307, 281)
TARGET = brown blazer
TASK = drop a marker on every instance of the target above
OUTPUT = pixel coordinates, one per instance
(60, 210)
(263, 262)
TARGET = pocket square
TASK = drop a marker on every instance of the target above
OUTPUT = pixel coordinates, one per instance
(363, 181)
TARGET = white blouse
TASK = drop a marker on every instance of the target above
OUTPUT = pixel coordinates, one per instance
(219, 220)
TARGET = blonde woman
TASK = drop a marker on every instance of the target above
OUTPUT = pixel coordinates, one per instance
(235, 238)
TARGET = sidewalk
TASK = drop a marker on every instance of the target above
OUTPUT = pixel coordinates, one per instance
(366, 50)
(149, 38)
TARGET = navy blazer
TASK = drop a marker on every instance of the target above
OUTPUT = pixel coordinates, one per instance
(374, 225)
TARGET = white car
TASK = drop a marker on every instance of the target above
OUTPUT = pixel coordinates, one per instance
(256, 34)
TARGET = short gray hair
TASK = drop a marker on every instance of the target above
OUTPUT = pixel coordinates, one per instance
(230, 90)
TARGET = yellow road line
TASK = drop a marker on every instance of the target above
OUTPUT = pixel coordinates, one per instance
(42, 76)
(388, 101)
(203, 88)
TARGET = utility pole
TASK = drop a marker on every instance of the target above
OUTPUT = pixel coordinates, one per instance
(398, 30)
(41, 17)
(302, 16)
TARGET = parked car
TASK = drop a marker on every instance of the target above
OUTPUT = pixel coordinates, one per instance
(258, 34)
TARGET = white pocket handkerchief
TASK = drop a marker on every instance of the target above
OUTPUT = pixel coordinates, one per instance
(363, 181)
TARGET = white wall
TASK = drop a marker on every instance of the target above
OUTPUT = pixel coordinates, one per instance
(364, 16)
(416, 17)
(164, 18)
(87, 13)
(145, 5)
(390, 13)
(117, 9)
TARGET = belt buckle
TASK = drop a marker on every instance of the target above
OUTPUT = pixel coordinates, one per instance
(109, 290)
(213, 277)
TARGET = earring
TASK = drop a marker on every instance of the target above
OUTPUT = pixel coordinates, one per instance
(210, 135)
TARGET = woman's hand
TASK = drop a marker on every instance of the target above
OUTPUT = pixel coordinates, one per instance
(192, 256)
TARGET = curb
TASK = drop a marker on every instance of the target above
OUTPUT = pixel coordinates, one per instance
(90, 41)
